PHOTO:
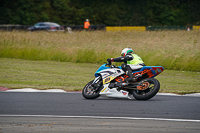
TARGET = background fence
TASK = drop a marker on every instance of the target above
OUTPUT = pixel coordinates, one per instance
(107, 28)
(126, 28)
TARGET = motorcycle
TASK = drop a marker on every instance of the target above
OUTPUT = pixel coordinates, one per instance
(110, 82)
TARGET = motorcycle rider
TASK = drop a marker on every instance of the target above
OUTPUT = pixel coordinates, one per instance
(132, 62)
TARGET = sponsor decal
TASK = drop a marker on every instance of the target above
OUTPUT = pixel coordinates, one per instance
(107, 91)
(107, 79)
(159, 70)
(103, 90)
(156, 71)
(124, 92)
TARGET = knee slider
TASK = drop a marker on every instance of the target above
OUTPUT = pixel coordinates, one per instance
(123, 67)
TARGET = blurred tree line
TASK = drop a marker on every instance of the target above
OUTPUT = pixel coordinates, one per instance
(108, 12)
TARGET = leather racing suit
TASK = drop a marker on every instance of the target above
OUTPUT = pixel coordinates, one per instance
(132, 62)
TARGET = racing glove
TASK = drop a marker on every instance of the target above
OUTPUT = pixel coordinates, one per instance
(109, 60)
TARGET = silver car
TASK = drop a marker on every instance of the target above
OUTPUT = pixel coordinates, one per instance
(47, 26)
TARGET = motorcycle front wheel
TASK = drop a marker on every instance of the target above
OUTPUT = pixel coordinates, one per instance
(150, 91)
(89, 92)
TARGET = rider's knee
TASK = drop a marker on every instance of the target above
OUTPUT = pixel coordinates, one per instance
(124, 65)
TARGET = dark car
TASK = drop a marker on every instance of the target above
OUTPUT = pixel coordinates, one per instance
(47, 26)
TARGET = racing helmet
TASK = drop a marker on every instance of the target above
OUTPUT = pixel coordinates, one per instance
(126, 51)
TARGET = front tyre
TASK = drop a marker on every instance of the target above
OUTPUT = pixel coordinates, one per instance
(90, 92)
(150, 91)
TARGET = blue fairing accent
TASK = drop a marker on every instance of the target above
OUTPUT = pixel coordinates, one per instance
(144, 67)
(102, 67)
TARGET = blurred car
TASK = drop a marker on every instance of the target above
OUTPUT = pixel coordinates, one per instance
(47, 26)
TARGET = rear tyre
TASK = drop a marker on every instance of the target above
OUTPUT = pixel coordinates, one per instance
(90, 92)
(149, 92)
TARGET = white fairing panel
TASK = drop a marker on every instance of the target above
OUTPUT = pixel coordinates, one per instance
(113, 93)
(113, 71)
(108, 75)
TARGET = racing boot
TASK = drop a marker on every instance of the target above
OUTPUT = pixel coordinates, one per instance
(130, 77)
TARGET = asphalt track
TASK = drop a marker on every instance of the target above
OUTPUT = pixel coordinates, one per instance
(70, 112)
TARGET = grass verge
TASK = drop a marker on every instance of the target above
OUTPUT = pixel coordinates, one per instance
(17, 73)
(175, 50)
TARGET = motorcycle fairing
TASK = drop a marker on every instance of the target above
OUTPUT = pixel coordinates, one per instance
(102, 67)
(149, 71)
(113, 93)
(110, 74)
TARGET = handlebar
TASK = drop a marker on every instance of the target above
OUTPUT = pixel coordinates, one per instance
(110, 65)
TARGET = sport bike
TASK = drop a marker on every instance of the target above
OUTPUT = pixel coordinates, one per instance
(110, 82)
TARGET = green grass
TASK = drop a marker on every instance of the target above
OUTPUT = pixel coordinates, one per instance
(175, 50)
(179, 82)
(18, 73)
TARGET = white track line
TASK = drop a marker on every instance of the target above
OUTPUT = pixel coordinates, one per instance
(103, 117)
(62, 91)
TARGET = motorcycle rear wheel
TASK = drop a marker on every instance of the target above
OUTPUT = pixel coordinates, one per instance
(89, 92)
(149, 92)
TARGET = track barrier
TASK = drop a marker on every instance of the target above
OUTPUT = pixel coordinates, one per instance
(106, 28)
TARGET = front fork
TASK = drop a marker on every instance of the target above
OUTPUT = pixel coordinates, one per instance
(97, 83)
(96, 80)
